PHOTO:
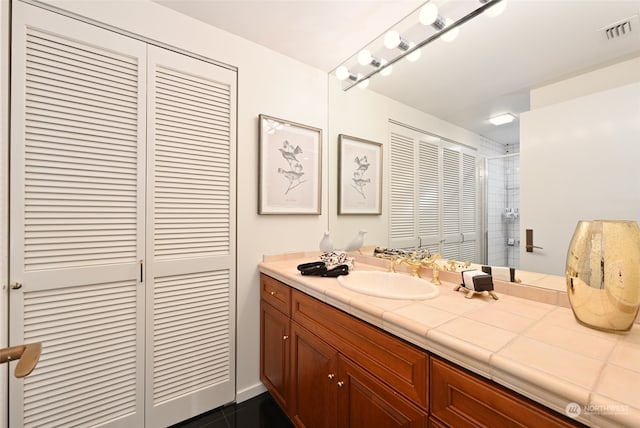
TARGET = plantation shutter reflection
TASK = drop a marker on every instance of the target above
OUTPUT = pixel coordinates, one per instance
(433, 194)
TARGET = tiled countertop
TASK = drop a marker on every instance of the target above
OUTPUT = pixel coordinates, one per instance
(536, 349)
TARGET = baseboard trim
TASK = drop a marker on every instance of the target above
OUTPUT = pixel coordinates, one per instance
(248, 393)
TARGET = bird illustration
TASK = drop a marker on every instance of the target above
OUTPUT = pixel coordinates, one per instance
(357, 242)
(289, 152)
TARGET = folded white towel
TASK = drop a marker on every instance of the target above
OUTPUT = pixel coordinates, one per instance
(467, 278)
(501, 273)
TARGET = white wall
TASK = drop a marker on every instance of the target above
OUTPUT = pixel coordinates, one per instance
(365, 114)
(268, 83)
(580, 158)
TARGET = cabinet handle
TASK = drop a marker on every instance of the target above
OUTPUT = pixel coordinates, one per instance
(15, 285)
(340, 383)
(273, 293)
(285, 337)
(331, 376)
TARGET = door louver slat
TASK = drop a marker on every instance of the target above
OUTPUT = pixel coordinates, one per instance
(191, 318)
(59, 168)
(90, 354)
(198, 167)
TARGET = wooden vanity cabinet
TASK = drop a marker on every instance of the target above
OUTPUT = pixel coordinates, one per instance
(341, 372)
(275, 338)
(462, 399)
(327, 369)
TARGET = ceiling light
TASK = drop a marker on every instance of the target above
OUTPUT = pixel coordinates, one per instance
(364, 83)
(393, 40)
(343, 73)
(496, 9)
(364, 57)
(452, 34)
(502, 119)
(385, 70)
(415, 55)
(379, 55)
(428, 14)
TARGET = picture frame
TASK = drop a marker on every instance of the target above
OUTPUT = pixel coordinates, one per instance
(359, 176)
(290, 167)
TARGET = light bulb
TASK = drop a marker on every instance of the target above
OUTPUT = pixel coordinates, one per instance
(364, 57)
(363, 83)
(496, 9)
(415, 55)
(450, 35)
(342, 72)
(386, 70)
(428, 14)
(392, 39)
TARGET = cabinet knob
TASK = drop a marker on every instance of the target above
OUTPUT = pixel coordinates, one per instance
(285, 337)
(331, 376)
(273, 293)
(340, 383)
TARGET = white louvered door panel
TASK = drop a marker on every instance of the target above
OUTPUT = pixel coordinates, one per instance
(469, 223)
(429, 195)
(77, 186)
(451, 209)
(403, 209)
(191, 252)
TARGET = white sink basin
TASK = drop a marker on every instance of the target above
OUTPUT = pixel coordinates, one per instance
(388, 284)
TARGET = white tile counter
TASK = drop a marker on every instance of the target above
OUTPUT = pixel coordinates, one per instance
(536, 349)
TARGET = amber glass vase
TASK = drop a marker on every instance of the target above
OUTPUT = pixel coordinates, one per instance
(603, 274)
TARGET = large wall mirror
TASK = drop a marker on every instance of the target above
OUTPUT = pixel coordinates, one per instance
(574, 88)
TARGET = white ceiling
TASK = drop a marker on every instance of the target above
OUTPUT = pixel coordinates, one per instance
(488, 69)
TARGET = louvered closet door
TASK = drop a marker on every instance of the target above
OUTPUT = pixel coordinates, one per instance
(429, 195)
(77, 186)
(402, 197)
(191, 237)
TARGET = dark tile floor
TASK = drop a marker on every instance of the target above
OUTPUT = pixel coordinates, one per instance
(258, 412)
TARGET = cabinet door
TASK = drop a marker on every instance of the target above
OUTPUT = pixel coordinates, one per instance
(274, 353)
(314, 374)
(462, 399)
(365, 401)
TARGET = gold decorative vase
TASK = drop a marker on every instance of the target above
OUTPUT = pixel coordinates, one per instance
(603, 274)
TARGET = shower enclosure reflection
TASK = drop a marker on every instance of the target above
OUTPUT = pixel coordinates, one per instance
(502, 208)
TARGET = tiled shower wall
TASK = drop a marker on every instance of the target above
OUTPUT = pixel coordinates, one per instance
(503, 208)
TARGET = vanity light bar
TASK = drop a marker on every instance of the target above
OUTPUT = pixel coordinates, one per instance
(445, 28)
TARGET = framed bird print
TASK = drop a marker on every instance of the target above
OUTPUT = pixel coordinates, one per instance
(359, 176)
(290, 167)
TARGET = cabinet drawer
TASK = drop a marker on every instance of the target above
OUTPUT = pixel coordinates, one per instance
(275, 293)
(463, 399)
(397, 363)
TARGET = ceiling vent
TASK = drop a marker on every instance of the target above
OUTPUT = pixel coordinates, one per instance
(622, 28)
